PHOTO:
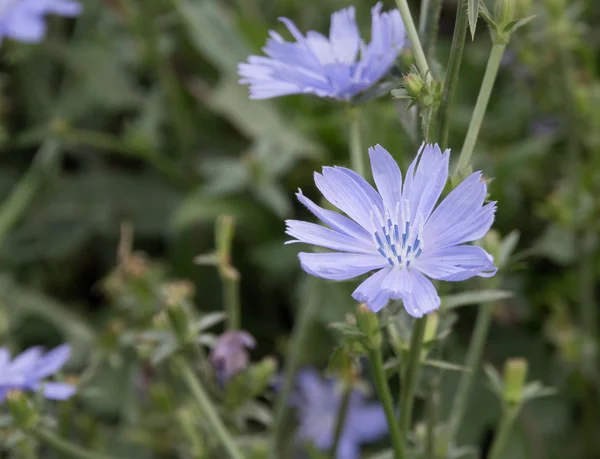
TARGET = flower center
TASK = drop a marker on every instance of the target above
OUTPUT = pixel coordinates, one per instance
(398, 240)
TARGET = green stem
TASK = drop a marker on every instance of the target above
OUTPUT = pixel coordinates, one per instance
(413, 363)
(208, 409)
(432, 408)
(357, 155)
(107, 142)
(301, 332)
(65, 447)
(190, 430)
(480, 106)
(413, 37)
(22, 195)
(231, 294)
(341, 418)
(473, 359)
(428, 24)
(167, 78)
(503, 432)
(456, 52)
(385, 397)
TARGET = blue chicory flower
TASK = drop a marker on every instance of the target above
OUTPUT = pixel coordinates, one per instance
(27, 371)
(397, 231)
(328, 67)
(229, 356)
(23, 20)
(317, 402)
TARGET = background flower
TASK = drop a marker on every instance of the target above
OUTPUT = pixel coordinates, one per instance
(327, 67)
(23, 20)
(27, 371)
(230, 355)
(396, 231)
(317, 401)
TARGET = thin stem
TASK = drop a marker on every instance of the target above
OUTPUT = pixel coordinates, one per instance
(106, 142)
(385, 397)
(24, 192)
(428, 24)
(231, 295)
(487, 84)
(301, 331)
(167, 78)
(456, 52)
(191, 431)
(503, 432)
(432, 409)
(341, 418)
(413, 37)
(208, 409)
(413, 363)
(65, 447)
(473, 359)
(357, 155)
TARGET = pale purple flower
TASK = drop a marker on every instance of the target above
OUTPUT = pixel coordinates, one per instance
(24, 20)
(337, 67)
(317, 401)
(398, 231)
(230, 356)
(27, 371)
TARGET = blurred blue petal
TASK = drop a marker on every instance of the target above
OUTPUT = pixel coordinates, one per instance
(337, 67)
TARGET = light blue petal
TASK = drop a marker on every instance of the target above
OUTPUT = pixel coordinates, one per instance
(341, 190)
(456, 263)
(293, 29)
(58, 391)
(347, 448)
(66, 8)
(460, 205)
(425, 180)
(366, 423)
(340, 266)
(397, 283)
(372, 194)
(25, 26)
(4, 360)
(26, 362)
(51, 362)
(371, 292)
(423, 297)
(387, 176)
(334, 220)
(309, 233)
(344, 35)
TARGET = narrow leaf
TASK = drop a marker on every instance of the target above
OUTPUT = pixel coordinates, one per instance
(473, 13)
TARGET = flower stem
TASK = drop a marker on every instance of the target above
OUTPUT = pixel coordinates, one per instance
(65, 447)
(341, 418)
(22, 195)
(357, 158)
(300, 334)
(208, 409)
(456, 51)
(411, 372)
(428, 19)
(459, 403)
(432, 408)
(413, 37)
(230, 277)
(503, 432)
(480, 106)
(385, 396)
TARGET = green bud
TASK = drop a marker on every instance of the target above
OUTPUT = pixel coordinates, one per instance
(261, 374)
(515, 374)
(431, 327)
(179, 321)
(22, 410)
(414, 84)
(504, 11)
(59, 126)
(368, 323)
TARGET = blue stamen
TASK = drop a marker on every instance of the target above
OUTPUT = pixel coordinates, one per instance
(380, 250)
(390, 261)
(408, 250)
(379, 241)
(408, 263)
(399, 259)
(417, 242)
(396, 233)
(418, 253)
(387, 238)
(393, 247)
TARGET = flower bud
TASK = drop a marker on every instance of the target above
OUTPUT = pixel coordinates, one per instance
(515, 374)
(431, 327)
(368, 323)
(413, 84)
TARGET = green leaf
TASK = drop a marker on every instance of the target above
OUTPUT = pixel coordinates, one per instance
(210, 320)
(473, 13)
(445, 365)
(518, 23)
(474, 297)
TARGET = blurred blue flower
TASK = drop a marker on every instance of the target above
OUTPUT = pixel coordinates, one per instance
(396, 231)
(23, 20)
(229, 356)
(318, 401)
(327, 67)
(27, 370)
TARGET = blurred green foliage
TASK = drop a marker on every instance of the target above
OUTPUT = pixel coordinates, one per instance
(132, 113)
